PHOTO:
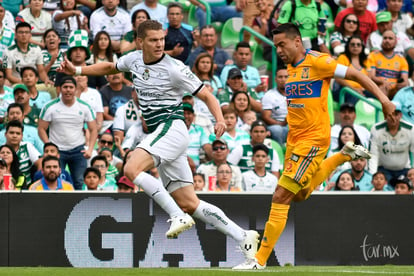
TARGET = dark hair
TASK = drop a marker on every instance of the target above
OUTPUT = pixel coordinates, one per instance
(362, 56)
(260, 147)
(14, 123)
(49, 158)
(209, 26)
(109, 54)
(47, 32)
(15, 164)
(28, 68)
(258, 123)
(197, 61)
(3, 70)
(229, 110)
(149, 25)
(378, 173)
(242, 44)
(199, 174)
(339, 177)
(174, 5)
(357, 141)
(23, 25)
(233, 98)
(99, 158)
(67, 79)
(50, 144)
(135, 14)
(341, 27)
(290, 29)
(92, 170)
(13, 105)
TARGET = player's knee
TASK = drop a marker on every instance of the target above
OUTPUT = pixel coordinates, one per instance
(131, 171)
(189, 205)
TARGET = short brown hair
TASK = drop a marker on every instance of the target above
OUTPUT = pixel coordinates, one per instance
(148, 25)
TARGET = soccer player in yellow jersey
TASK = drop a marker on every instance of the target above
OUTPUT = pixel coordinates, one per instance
(309, 130)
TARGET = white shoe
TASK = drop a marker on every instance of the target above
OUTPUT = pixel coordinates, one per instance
(249, 265)
(249, 245)
(355, 151)
(179, 224)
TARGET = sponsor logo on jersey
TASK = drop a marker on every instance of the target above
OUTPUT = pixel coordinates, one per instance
(303, 89)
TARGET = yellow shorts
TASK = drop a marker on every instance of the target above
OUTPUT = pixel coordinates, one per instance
(301, 163)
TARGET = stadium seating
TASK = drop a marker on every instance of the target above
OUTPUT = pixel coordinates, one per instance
(257, 58)
(230, 32)
(280, 151)
(185, 3)
(366, 113)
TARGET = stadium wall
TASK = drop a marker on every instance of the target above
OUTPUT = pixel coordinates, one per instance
(118, 230)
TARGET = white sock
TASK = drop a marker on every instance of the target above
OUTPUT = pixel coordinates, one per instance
(214, 216)
(154, 189)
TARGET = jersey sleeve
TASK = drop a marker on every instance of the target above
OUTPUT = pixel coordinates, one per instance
(404, 66)
(89, 113)
(46, 114)
(183, 78)
(34, 154)
(326, 66)
(123, 63)
(235, 155)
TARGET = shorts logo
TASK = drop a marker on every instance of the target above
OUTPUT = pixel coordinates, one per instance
(146, 74)
(294, 157)
(288, 166)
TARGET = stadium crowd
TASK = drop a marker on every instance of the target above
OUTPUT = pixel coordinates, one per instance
(65, 133)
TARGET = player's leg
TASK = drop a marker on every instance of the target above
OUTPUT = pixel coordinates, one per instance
(161, 144)
(301, 163)
(349, 152)
(135, 169)
(182, 190)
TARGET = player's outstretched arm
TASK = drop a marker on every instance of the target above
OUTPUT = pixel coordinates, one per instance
(215, 109)
(387, 107)
(99, 69)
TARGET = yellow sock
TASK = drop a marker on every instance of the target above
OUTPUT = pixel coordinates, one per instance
(273, 229)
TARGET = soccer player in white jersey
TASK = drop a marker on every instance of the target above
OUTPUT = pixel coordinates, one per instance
(160, 82)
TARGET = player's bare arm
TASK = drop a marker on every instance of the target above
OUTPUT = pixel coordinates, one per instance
(387, 107)
(99, 69)
(214, 108)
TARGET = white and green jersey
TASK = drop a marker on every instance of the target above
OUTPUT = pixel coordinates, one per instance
(46, 59)
(27, 155)
(242, 137)
(6, 39)
(160, 86)
(242, 156)
(15, 59)
(198, 138)
(252, 182)
(66, 122)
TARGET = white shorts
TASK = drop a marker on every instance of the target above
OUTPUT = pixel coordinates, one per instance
(168, 145)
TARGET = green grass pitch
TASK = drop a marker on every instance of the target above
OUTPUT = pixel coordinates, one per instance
(278, 271)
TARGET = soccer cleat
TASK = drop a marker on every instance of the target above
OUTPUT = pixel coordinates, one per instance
(251, 264)
(249, 245)
(179, 224)
(355, 151)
